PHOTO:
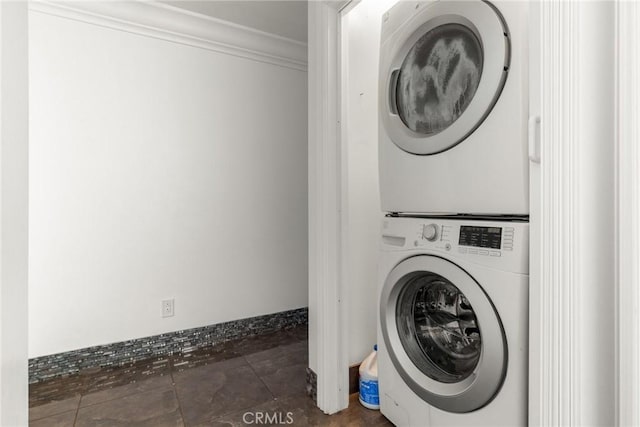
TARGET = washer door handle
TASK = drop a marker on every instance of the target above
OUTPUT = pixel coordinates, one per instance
(393, 83)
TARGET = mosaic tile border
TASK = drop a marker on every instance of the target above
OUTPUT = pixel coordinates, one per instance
(312, 385)
(121, 353)
(312, 382)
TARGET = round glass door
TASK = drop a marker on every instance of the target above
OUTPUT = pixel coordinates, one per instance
(438, 78)
(442, 334)
(438, 328)
(442, 72)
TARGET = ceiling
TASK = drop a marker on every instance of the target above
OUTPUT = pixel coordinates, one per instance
(286, 18)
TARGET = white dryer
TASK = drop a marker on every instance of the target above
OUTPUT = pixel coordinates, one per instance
(453, 322)
(453, 110)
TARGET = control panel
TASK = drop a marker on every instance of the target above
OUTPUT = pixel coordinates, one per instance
(439, 234)
(466, 238)
(503, 243)
(489, 241)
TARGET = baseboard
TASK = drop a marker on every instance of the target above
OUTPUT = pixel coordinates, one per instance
(354, 376)
(120, 353)
(312, 381)
(312, 385)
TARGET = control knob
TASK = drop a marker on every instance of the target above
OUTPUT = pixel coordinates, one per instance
(430, 232)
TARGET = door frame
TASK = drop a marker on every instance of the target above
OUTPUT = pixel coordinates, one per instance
(628, 214)
(328, 203)
(14, 192)
(572, 130)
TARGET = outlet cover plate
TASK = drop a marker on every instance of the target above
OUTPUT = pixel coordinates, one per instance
(167, 308)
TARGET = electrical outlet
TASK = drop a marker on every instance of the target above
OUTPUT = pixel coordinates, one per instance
(167, 308)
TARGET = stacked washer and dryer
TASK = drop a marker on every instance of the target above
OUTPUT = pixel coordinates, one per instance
(454, 179)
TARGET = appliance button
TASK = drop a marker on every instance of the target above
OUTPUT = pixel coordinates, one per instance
(430, 232)
(473, 251)
(495, 253)
(462, 250)
(483, 252)
(509, 229)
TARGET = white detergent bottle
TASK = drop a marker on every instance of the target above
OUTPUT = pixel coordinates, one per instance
(369, 396)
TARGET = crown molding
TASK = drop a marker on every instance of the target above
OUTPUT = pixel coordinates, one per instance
(165, 22)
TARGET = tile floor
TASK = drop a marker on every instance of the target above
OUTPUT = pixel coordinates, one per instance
(236, 383)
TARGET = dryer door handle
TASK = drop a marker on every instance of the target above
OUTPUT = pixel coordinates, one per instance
(534, 139)
(393, 83)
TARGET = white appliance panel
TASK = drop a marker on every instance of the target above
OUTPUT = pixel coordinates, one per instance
(478, 164)
(505, 282)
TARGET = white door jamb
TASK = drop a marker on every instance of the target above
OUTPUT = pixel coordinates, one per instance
(14, 191)
(327, 184)
(628, 214)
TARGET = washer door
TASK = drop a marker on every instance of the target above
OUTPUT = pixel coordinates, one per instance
(442, 334)
(447, 69)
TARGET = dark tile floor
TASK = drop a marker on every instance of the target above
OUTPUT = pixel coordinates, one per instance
(236, 383)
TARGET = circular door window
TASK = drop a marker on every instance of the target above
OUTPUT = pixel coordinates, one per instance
(442, 334)
(438, 78)
(442, 72)
(438, 328)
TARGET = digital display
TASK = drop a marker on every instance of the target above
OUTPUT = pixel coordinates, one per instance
(481, 237)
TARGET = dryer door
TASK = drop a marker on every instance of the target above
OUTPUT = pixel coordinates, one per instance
(442, 333)
(442, 73)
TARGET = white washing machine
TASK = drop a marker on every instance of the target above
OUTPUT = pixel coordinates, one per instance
(453, 110)
(453, 322)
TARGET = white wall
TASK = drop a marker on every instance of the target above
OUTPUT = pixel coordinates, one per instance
(14, 142)
(159, 170)
(364, 214)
